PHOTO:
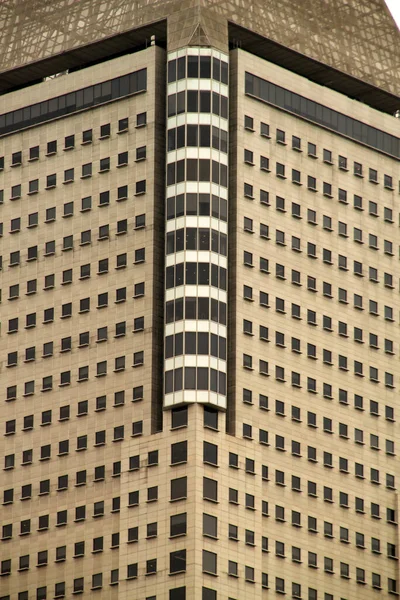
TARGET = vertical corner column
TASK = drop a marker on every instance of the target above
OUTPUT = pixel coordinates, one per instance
(196, 277)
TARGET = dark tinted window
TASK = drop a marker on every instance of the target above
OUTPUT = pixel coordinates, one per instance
(331, 119)
(74, 101)
(178, 452)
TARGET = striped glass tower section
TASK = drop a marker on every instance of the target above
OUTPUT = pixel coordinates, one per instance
(196, 228)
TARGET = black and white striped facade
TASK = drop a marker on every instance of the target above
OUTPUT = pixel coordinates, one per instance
(195, 359)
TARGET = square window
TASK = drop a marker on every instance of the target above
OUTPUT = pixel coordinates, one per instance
(141, 119)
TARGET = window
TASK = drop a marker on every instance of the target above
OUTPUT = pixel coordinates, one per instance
(210, 453)
(249, 123)
(179, 488)
(280, 170)
(178, 525)
(87, 136)
(177, 561)
(248, 157)
(105, 130)
(210, 525)
(141, 121)
(140, 187)
(210, 417)
(248, 191)
(312, 150)
(86, 203)
(179, 452)
(132, 571)
(209, 562)
(179, 417)
(296, 176)
(86, 170)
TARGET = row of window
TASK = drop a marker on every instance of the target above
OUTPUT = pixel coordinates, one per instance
(296, 209)
(202, 205)
(45, 418)
(177, 564)
(303, 107)
(179, 454)
(343, 464)
(282, 479)
(88, 97)
(70, 141)
(280, 306)
(210, 493)
(327, 156)
(210, 456)
(295, 344)
(203, 136)
(296, 553)
(180, 594)
(295, 378)
(82, 341)
(282, 173)
(178, 527)
(46, 451)
(178, 491)
(197, 169)
(327, 325)
(198, 67)
(343, 364)
(86, 203)
(196, 308)
(82, 373)
(295, 276)
(195, 378)
(192, 342)
(51, 180)
(281, 587)
(192, 273)
(282, 239)
(86, 171)
(77, 585)
(67, 309)
(327, 427)
(197, 101)
(85, 236)
(196, 238)
(343, 398)
(66, 277)
(210, 529)
(174, 594)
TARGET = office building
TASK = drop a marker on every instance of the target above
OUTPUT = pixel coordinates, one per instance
(200, 300)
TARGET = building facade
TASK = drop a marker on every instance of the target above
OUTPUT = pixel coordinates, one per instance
(200, 301)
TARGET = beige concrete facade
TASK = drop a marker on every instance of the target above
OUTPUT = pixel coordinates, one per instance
(294, 489)
(294, 347)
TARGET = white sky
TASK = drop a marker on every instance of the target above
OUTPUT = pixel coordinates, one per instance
(394, 7)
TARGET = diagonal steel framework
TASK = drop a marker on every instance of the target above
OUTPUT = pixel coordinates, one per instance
(358, 37)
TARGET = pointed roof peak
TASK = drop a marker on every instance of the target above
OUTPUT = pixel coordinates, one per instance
(199, 37)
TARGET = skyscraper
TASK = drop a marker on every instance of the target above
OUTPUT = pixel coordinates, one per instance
(200, 300)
